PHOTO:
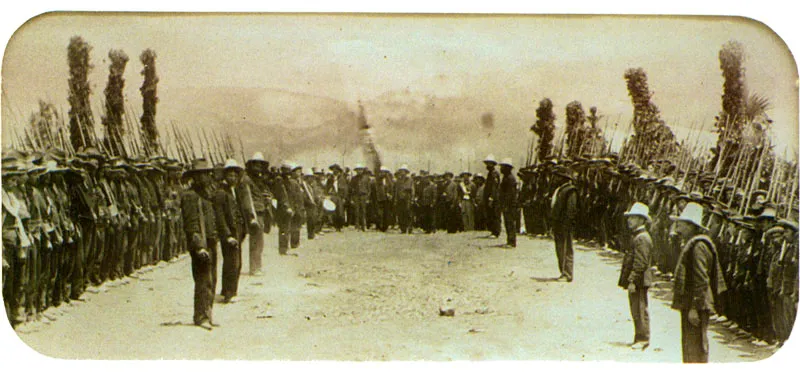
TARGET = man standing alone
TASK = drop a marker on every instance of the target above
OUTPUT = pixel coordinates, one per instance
(508, 202)
(563, 210)
(635, 275)
(696, 283)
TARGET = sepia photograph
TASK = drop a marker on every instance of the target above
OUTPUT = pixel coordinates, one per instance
(349, 186)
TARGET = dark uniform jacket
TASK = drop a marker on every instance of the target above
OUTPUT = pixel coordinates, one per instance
(232, 208)
(564, 207)
(404, 189)
(636, 264)
(697, 276)
(192, 204)
(491, 190)
(508, 193)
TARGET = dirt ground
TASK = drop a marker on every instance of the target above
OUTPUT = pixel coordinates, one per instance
(376, 296)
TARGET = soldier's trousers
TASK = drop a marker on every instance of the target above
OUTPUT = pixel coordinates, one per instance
(284, 232)
(312, 220)
(529, 214)
(694, 339)
(297, 222)
(231, 267)
(467, 215)
(14, 284)
(640, 314)
(203, 273)
(564, 252)
(427, 219)
(256, 238)
(404, 216)
(493, 220)
(360, 214)
(510, 217)
(384, 215)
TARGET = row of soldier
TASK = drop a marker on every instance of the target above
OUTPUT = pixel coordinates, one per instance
(108, 216)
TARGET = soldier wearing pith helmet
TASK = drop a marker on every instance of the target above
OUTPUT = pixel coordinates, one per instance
(697, 281)
(635, 273)
(200, 228)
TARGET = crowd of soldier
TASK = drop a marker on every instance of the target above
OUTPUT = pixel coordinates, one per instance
(73, 222)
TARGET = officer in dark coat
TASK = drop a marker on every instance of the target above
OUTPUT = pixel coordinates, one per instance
(491, 193)
(508, 202)
(200, 228)
(635, 273)
(697, 282)
(563, 210)
(233, 212)
(403, 198)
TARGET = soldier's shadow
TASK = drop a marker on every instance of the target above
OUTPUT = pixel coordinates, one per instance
(549, 279)
(184, 324)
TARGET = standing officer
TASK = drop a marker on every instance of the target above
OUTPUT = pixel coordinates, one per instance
(338, 191)
(508, 202)
(285, 209)
(255, 186)
(491, 192)
(697, 282)
(467, 202)
(403, 197)
(563, 210)
(199, 226)
(359, 196)
(635, 274)
(232, 211)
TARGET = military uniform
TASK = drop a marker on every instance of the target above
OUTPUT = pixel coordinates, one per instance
(200, 228)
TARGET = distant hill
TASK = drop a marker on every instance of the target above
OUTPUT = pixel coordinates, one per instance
(408, 127)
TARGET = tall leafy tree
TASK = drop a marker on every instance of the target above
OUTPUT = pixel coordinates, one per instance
(652, 138)
(149, 100)
(115, 102)
(81, 121)
(544, 128)
(731, 120)
(576, 119)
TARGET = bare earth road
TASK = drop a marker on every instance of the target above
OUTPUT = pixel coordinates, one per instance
(376, 296)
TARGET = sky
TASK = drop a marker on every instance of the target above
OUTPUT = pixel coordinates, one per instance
(508, 59)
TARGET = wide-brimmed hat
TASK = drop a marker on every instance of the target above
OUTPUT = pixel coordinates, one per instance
(769, 212)
(639, 209)
(198, 166)
(788, 224)
(692, 213)
(257, 161)
(384, 169)
(564, 172)
(359, 166)
(296, 165)
(404, 167)
(490, 160)
(91, 152)
(335, 167)
(507, 162)
(232, 164)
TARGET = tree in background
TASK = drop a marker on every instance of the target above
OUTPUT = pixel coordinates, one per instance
(149, 101)
(576, 119)
(544, 128)
(731, 121)
(81, 121)
(45, 125)
(115, 102)
(652, 138)
(593, 140)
